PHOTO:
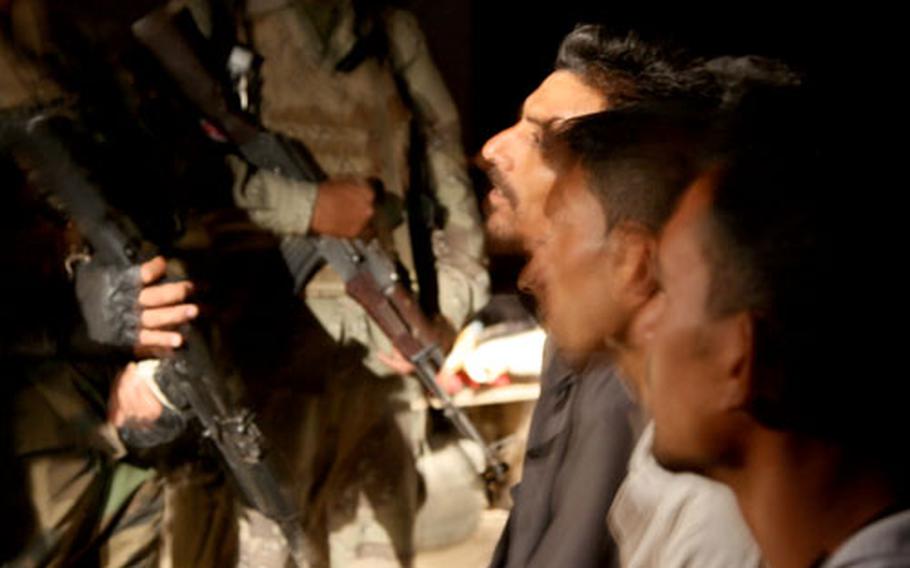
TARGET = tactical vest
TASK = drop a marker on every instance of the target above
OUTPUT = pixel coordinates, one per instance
(354, 123)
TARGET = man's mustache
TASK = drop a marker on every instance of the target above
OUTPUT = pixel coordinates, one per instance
(500, 182)
(498, 179)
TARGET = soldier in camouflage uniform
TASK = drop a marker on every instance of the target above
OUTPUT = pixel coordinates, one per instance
(350, 80)
(81, 496)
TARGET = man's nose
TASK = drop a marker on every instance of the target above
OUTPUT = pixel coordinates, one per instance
(495, 151)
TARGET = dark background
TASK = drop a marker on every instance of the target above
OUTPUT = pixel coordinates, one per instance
(494, 53)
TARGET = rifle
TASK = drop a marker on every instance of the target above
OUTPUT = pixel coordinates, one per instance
(369, 275)
(195, 381)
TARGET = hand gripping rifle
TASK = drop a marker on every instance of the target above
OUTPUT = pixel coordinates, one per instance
(193, 382)
(369, 275)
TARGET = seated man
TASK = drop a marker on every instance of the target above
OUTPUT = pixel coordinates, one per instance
(746, 380)
(619, 175)
(585, 423)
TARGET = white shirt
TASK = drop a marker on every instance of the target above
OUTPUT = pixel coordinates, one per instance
(665, 520)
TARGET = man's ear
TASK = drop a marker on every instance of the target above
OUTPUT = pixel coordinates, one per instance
(733, 340)
(634, 248)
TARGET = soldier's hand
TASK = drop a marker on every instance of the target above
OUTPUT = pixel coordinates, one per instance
(344, 208)
(163, 308)
(450, 382)
(397, 362)
(132, 400)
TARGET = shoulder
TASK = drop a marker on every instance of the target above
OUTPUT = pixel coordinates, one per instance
(405, 36)
(709, 527)
(687, 520)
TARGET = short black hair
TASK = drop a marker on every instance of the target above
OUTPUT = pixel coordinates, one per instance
(628, 68)
(637, 159)
(736, 76)
(786, 240)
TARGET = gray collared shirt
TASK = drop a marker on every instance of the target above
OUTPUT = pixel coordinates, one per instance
(582, 434)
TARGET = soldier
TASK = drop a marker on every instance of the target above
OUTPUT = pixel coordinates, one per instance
(76, 391)
(355, 83)
(89, 498)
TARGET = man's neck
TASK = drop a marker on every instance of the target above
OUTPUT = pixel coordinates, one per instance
(631, 362)
(803, 498)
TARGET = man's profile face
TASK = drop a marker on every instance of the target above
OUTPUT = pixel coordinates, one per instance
(521, 179)
(569, 270)
(685, 360)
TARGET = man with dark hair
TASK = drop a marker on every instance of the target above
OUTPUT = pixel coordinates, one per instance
(607, 187)
(742, 381)
(594, 71)
(629, 69)
(619, 175)
(585, 423)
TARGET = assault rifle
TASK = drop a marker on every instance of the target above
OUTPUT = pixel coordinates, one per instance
(369, 275)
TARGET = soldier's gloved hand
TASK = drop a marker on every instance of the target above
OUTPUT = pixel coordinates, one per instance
(343, 208)
(144, 415)
(108, 298)
(126, 308)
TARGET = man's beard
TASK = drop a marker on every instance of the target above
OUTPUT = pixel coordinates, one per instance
(502, 238)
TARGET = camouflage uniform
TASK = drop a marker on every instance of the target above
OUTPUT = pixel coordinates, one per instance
(86, 503)
(82, 502)
(79, 496)
(360, 439)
